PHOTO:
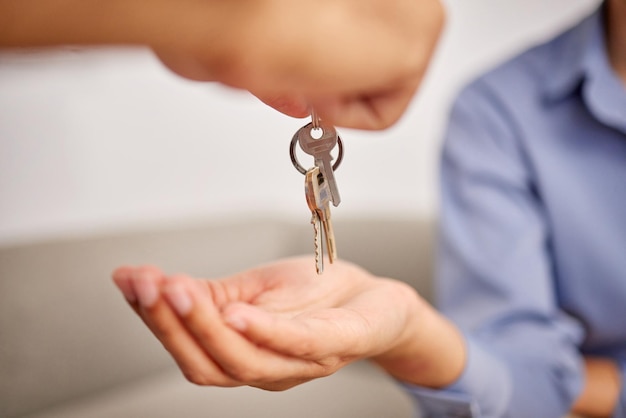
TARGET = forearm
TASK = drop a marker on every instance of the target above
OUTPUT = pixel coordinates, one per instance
(602, 388)
(78, 22)
(431, 353)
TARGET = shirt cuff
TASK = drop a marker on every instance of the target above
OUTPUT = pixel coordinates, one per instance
(482, 390)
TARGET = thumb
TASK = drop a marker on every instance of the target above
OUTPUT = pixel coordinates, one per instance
(305, 336)
(289, 105)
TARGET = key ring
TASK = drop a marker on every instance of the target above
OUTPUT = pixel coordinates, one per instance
(292, 150)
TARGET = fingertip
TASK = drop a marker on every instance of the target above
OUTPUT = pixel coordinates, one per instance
(127, 290)
(178, 297)
(377, 112)
(352, 115)
(238, 315)
(122, 273)
(290, 106)
(236, 322)
(245, 317)
(121, 278)
(144, 285)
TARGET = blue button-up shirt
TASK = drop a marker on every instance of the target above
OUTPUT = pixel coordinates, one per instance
(532, 256)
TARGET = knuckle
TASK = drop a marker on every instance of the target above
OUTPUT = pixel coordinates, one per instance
(330, 365)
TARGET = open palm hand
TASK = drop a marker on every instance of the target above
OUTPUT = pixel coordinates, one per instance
(272, 327)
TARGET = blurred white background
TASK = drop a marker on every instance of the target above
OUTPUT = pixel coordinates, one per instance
(93, 141)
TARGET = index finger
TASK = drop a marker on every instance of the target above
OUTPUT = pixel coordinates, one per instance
(239, 358)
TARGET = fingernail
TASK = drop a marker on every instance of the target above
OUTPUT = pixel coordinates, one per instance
(236, 322)
(178, 298)
(127, 290)
(147, 292)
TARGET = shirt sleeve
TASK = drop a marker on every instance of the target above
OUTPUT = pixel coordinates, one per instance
(495, 276)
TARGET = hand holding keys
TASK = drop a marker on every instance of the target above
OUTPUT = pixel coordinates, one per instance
(320, 185)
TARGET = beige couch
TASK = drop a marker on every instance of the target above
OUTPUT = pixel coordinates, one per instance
(70, 347)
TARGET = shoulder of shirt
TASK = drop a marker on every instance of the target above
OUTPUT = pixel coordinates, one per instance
(526, 76)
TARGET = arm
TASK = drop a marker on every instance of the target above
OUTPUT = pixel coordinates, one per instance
(35, 23)
(495, 272)
(495, 276)
(357, 63)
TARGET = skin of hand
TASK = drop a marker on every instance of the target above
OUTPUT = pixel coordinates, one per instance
(279, 325)
(357, 62)
(602, 388)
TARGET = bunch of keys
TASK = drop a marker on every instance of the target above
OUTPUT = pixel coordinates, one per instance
(320, 186)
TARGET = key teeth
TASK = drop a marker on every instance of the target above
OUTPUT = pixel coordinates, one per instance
(319, 263)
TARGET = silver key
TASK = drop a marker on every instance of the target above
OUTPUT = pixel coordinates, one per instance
(320, 149)
(318, 198)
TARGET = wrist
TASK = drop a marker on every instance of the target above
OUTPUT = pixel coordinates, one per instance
(431, 353)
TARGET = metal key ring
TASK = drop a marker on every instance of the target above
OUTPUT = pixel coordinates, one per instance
(296, 163)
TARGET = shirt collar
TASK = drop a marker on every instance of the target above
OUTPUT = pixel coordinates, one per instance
(571, 55)
(580, 63)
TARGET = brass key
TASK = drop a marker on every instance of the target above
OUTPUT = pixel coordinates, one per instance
(318, 198)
